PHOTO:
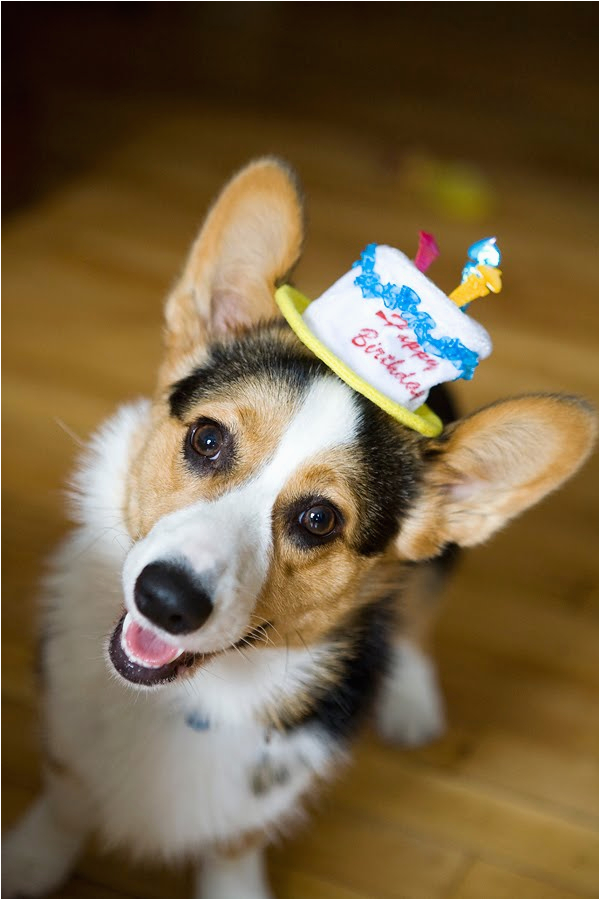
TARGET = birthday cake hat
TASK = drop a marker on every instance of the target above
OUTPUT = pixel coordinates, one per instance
(391, 334)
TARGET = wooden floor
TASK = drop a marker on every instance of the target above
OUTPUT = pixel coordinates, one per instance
(506, 804)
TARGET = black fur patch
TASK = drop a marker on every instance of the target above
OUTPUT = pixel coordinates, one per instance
(387, 478)
(448, 559)
(259, 353)
(342, 709)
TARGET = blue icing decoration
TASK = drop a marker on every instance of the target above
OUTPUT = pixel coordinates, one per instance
(482, 253)
(197, 722)
(407, 301)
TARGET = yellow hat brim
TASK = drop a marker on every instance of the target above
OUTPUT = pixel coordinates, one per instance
(292, 305)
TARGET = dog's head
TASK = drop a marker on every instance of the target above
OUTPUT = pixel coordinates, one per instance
(262, 490)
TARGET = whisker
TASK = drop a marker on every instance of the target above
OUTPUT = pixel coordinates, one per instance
(259, 632)
(247, 643)
(305, 645)
(95, 540)
(243, 655)
(270, 624)
(202, 670)
(263, 636)
(69, 431)
(117, 541)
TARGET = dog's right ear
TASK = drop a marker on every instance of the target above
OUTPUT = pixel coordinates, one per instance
(250, 241)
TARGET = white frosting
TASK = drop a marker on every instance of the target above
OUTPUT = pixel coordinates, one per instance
(385, 351)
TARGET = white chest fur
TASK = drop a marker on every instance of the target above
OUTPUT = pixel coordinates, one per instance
(161, 783)
(180, 789)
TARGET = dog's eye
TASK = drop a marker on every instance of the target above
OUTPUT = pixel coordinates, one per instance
(207, 439)
(209, 448)
(318, 520)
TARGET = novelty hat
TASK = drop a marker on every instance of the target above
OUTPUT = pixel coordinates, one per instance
(391, 333)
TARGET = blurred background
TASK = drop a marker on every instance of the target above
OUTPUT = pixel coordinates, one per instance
(121, 121)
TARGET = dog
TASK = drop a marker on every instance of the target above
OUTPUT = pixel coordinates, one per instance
(226, 613)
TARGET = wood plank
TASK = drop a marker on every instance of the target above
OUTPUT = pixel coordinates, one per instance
(470, 817)
(485, 880)
(370, 857)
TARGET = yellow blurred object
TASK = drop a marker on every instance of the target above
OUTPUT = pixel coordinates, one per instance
(458, 190)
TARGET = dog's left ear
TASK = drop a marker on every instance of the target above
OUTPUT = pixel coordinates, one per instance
(251, 239)
(491, 466)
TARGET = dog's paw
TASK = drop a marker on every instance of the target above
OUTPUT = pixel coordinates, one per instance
(239, 876)
(410, 709)
(37, 855)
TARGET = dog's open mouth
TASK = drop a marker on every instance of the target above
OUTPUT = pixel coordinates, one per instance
(141, 657)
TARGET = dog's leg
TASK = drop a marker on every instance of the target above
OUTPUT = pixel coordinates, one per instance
(410, 709)
(41, 849)
(227, 875)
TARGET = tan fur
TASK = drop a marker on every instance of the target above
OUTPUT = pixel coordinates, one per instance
(492, 466)
(160, 481)
(251, 239)
(307, 594)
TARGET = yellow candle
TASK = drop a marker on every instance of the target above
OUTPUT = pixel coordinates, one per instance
(478, 284)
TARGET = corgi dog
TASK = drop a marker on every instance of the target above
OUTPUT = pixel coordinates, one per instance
(225, 614)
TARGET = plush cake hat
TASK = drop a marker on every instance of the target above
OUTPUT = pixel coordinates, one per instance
(391, 334)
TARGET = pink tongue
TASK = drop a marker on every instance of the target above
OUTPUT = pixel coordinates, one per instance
(147, 647)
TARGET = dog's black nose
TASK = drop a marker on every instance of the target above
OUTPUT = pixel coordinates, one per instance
(170, 597)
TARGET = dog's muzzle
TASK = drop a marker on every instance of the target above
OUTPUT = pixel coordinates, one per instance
(171, 598)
